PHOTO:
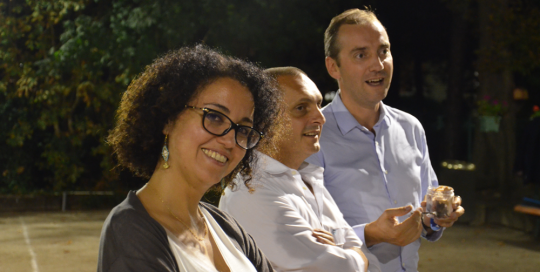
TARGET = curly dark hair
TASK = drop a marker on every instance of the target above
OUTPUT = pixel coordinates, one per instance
(158, 95)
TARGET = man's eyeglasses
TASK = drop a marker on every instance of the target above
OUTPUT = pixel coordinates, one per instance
(217, 123)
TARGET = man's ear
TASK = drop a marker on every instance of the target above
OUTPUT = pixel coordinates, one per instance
(332, 68)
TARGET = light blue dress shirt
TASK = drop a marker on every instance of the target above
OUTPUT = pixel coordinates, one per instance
(367, 174)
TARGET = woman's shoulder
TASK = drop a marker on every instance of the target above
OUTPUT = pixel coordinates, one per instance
(130, 219)
(132, 238)
(130, 210)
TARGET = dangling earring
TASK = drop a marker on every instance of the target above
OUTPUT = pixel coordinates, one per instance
(165, 153)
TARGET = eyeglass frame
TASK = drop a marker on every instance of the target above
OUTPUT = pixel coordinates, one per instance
(232, 126)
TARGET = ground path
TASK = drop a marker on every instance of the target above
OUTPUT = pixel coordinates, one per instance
(47, 242)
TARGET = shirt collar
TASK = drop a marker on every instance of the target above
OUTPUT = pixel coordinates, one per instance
(384, 117)
(270, 165)
(346, 121)
(309, 172)
(312, 173)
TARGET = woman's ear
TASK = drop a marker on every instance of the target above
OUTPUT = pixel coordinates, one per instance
(168, 128)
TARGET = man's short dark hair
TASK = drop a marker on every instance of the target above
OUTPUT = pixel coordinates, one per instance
(348, 17)
(284, 71)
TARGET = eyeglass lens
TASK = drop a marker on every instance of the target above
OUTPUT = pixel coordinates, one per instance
(218, 124)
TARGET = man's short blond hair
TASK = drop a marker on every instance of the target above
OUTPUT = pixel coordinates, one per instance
(348, 17)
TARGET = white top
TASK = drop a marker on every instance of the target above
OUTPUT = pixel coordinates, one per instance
(282, 213)
(189, 259)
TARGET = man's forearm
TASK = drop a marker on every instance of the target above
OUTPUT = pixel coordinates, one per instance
(366, 262)
(370, 235)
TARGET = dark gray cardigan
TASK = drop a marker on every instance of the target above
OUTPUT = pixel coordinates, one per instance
(131, 240)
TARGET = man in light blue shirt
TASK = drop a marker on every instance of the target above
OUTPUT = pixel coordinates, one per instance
(376, 160)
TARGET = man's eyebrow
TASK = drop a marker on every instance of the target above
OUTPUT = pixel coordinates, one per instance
(308, 100)
(356, 49)
(303, 100)
(359, 49)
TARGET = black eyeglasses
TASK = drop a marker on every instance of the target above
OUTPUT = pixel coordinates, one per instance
(216, 123)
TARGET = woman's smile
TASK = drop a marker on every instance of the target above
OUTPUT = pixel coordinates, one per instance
(215, 155)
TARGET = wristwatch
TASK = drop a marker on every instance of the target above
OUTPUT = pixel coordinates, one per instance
(433, 225)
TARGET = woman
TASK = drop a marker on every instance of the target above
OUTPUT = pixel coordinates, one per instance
(189, 121)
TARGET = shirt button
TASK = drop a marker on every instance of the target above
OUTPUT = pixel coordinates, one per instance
(386, 172)
(395, 202)
(403, 264)
(376, 143)
(304, 188)
(294, 172)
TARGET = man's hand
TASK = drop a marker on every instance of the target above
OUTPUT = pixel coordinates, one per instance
(387, 228)
(323, 237)
(450, 220)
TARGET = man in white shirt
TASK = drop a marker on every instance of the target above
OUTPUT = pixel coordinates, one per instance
(293, 218)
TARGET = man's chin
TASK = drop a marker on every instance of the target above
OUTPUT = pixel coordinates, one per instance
(310, 149)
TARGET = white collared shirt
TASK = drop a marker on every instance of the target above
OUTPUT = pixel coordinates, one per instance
(282, 213)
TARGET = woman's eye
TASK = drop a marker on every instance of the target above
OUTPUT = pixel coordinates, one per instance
(300, 108)
(360, 56)
(214, 117)
(244, 131)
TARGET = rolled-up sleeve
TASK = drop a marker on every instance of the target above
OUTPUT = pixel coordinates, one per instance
(359, 230)
(354, 240)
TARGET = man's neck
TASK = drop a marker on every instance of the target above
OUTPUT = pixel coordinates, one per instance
(293, 164)
(365, 115)
(289, 161)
